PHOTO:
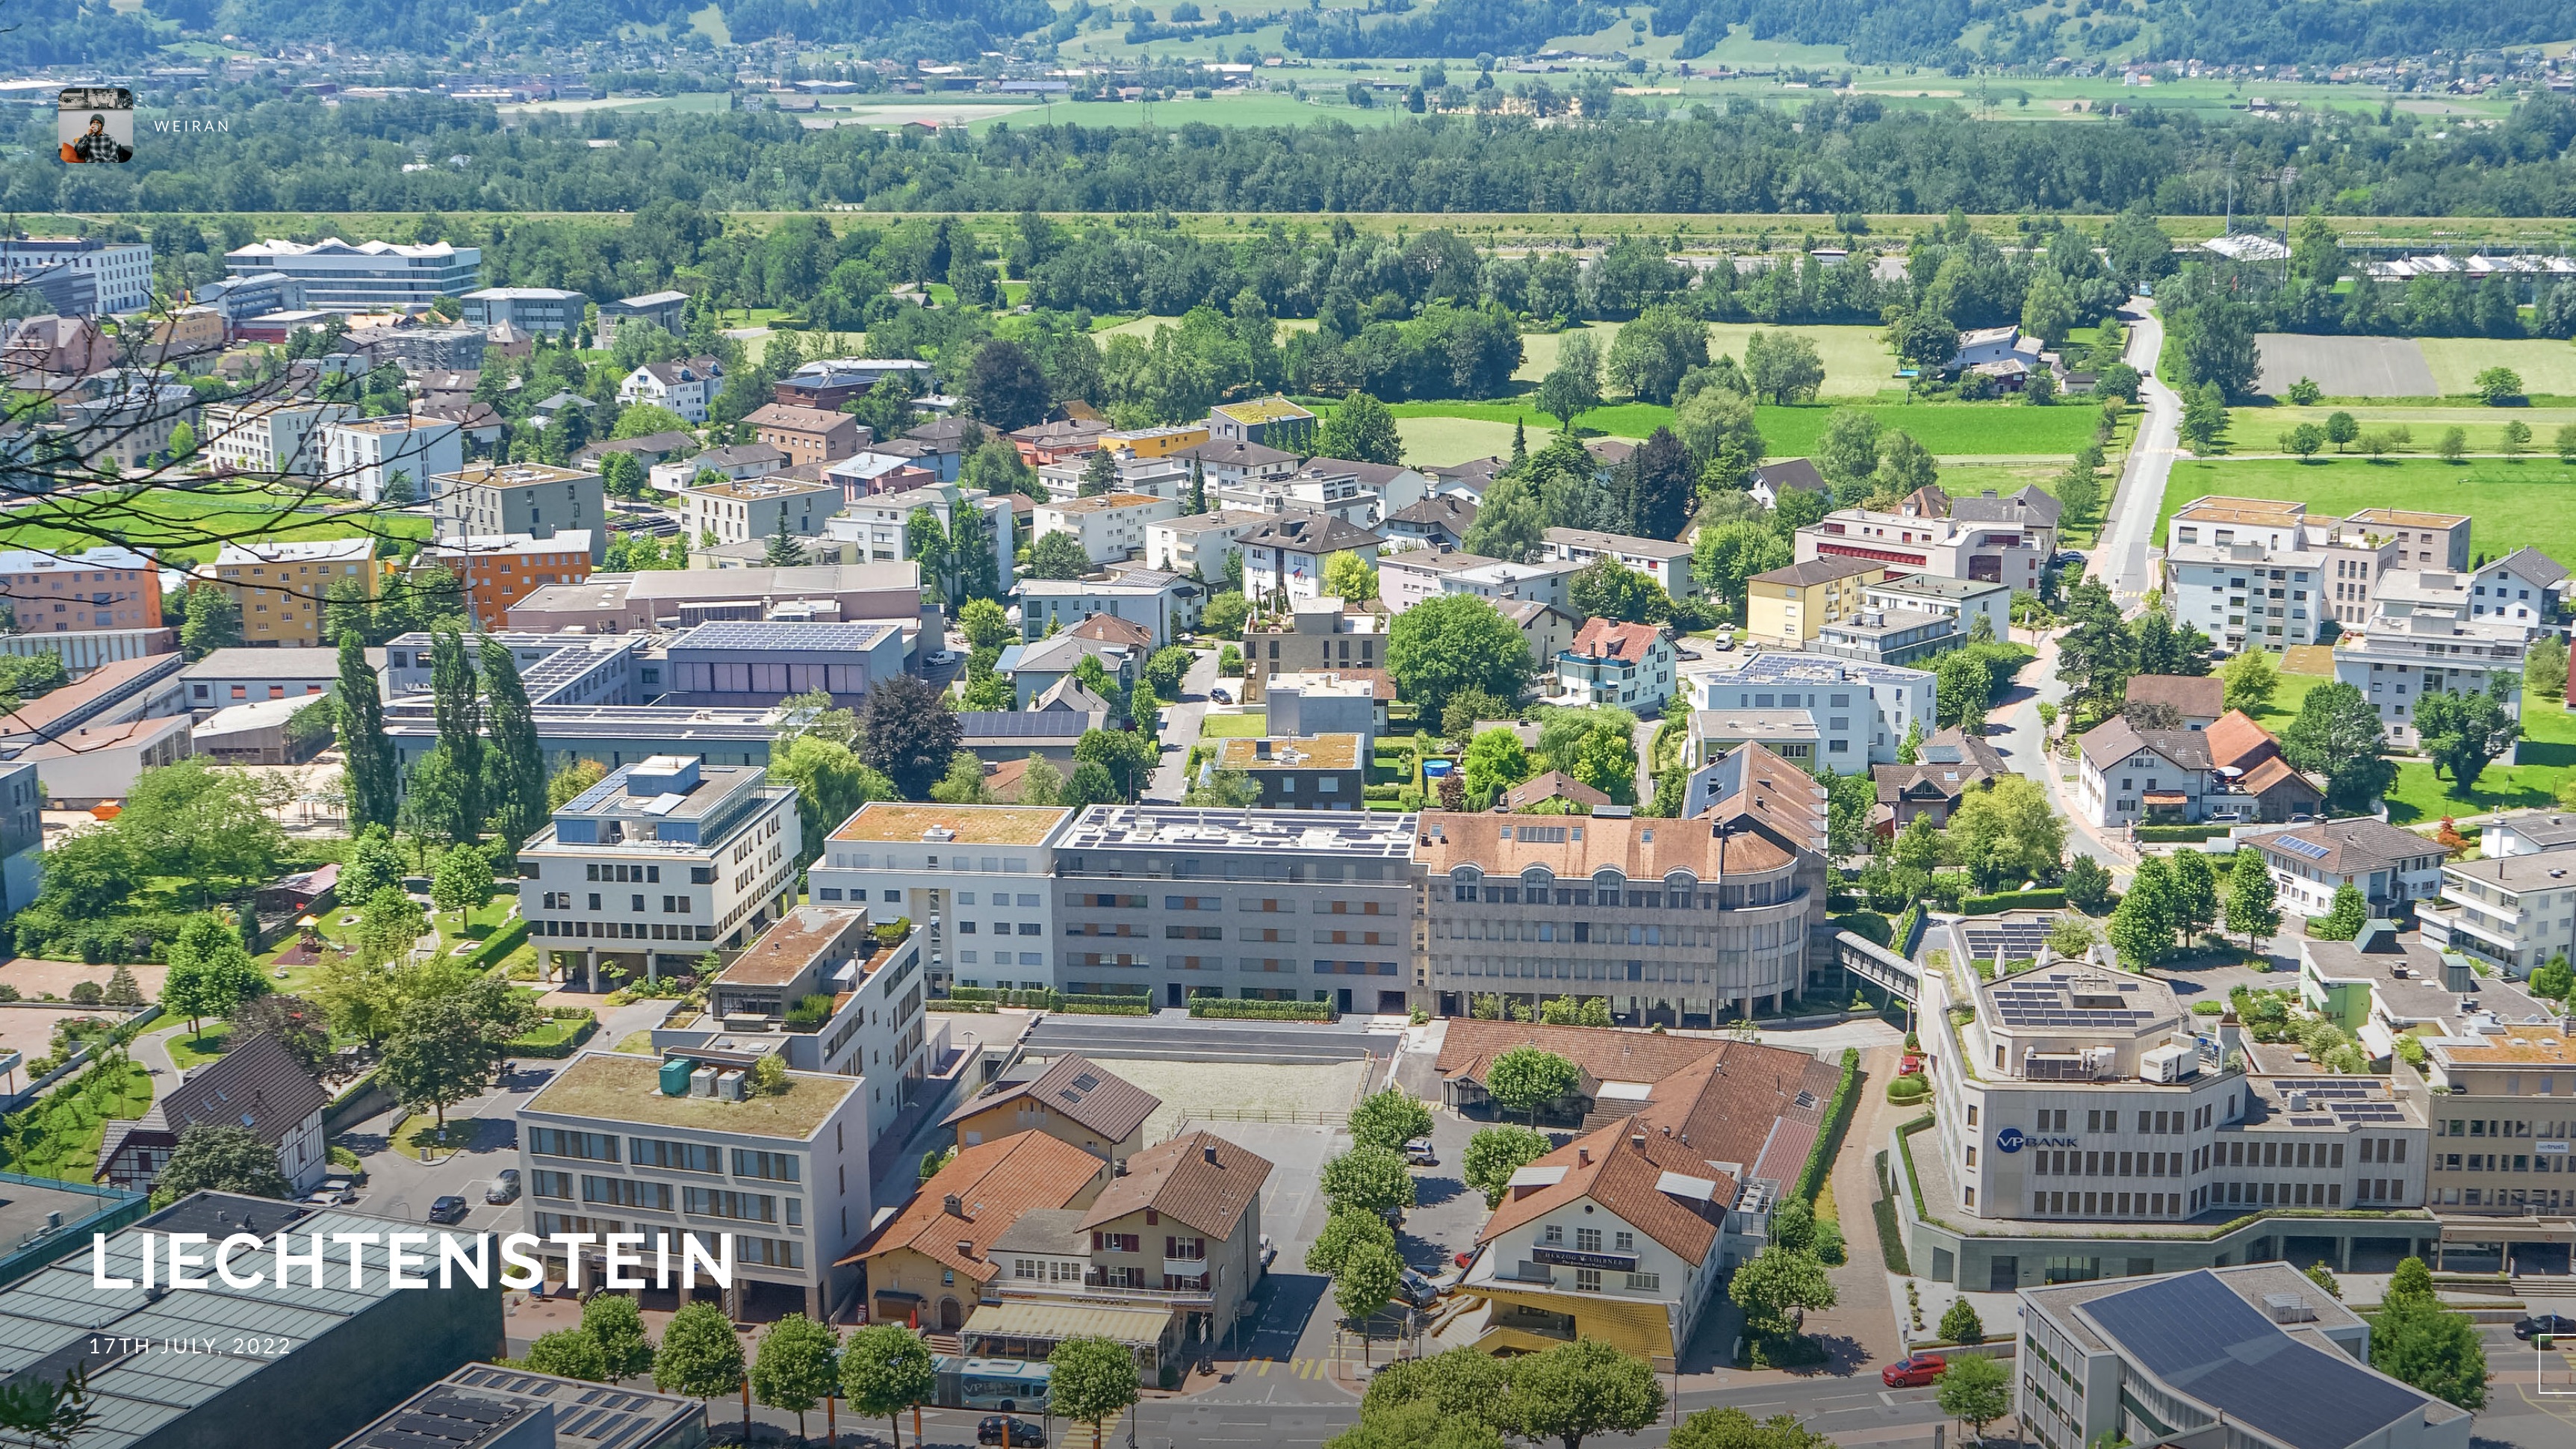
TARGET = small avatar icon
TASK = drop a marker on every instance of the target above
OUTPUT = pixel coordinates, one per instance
(95, 144)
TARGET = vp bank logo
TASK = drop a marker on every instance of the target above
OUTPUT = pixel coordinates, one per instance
(2009, 1140)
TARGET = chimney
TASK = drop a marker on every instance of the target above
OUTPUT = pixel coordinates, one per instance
(966, 1248)
(1638, 1141)
(2231, 1037)
(1208, 1150)
(952, 1206)
(1583, 1157)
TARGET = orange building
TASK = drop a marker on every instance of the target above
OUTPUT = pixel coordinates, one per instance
(66, 593)
(500, 569)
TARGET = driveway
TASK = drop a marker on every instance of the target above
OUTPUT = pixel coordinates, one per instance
(2120, 555)
(1181, 720)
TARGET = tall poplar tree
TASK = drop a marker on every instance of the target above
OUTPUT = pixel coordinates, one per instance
(515, 767)
(374, 791)
(458, 710)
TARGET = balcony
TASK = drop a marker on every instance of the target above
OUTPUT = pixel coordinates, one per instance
(1096, 1292)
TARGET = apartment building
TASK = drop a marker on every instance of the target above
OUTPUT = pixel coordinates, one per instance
(280, 586)
(874, 529)
(1314, 634)
(1165, 604)
(1310, 772)
(2513, 912)
(751, 510)
(1629, 666)
(1665, 562)
(1678, 923)
(828, 382)
(2518, 587)
(670, 850)
(974, 877)
(1221, 463)
(685, 386)
(498, 570)
(2255, 1355)
(536, 499)
(370, 276)
(382, 459)
(1182, 1223)
(1154, 477)
(1070, 1099)
(274, 436)
(1862, 711)
(2430, 540)
(2395, 870)
(1273, 421)
(1325, 488)
(1438, 521)
(680, 1147)
(1111, 527)
(1785, 607)
(1913, 617)
(2406, 654)
(106, 587)
(2132, 776)
(537, 311)
(1198, 543)
(1160, 442)
(1284, 559)
(826, 989)
(808, 435)
(1947, 766)
(2005, 553)
(2526, 832)
(1626, 1233)
(1296, 905)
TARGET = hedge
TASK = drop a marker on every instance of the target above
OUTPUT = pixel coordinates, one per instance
(1829, 1131)
(948, 1003)
(1870, 926)
(497, 947)
(554, 1049)
(2047, 899)
(1220, 1009)
(1106, 1006)
(2186, 834)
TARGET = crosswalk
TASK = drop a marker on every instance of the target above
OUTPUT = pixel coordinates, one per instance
(1295, 1367)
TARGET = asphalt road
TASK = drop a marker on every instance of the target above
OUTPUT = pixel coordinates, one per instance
(2120, 554)
(1173, 1036)
(1181, 730)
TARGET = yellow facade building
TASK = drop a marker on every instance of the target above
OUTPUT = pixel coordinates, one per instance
(1787, 606)
(281, 586)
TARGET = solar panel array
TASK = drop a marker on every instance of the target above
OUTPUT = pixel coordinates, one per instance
(994, 724)
(2015, 939)
(754, 635)
(2196, 1335)
(2307, 848)
(2351, 1101)
(2041, 1001)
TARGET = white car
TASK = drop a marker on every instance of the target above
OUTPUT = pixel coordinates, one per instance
(942, 658)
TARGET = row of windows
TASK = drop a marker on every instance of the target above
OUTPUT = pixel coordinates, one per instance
(665, 1153)
(2502, 1162)
(622, 930)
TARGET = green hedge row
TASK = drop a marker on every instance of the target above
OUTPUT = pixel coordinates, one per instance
(1829, 1132)
(1221, 1009)
(2180, 834)
(553, 1049)
(2047, 899)
(950, 1003)
(1074, 1006)
(498, 946)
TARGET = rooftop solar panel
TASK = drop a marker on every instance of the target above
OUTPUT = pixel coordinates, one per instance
(2307, 848)
(2194, 1333)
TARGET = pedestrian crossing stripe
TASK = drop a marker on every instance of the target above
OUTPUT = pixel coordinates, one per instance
(1264, 1370)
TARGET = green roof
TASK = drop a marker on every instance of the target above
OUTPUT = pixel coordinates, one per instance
(618, 1087)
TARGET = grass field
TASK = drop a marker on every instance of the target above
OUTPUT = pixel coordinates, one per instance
(188, 527)
(2258, 430)
(2546, 366)
(1142, 328)
(2512, 504)
(1245, 726)
(1857, 361)
(2548, 752)
(1967, 430)
(189, 1051)
(1439, 442)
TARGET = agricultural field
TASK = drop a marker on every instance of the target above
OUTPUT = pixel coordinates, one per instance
(1440, 442)
(1857, 361)
(2546, 365)
(2258, 429)
(1143, 328)
(176, 525)
(1962, 430)
(2530, 502)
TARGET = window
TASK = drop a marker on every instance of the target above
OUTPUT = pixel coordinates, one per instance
(1113, 1243)
(773, 1166)
(1625, 1241)
(1587, 1280)
(1553, 1234)
(708, 1202)
(587, 1146)
(626, 1192)
(1645, 1282)
(1587, 1240)
(677, 1156)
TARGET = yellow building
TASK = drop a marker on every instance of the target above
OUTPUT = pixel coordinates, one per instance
(281, 586)
(1156, 442)
(1788, 606)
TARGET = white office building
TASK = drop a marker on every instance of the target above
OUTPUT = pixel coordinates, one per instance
(276, 436)
(973, 878)
(121, 270)
(1861, 710)
(371, 276)
(366, 455)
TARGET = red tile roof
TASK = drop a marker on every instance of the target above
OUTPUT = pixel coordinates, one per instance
(1198, 1178)
(992, 1184)
(1610, 639)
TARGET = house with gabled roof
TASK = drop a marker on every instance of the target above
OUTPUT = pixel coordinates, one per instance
(2130, 775)
(1946, 767)
(1071, 1099)
(256, 1085)
(931, 1263)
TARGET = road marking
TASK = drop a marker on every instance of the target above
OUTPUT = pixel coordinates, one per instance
(1264, 1370)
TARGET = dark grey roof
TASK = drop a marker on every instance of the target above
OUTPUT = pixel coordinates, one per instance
(1021, 724)
(2349, 847)
(1792, 473)
(2108, 744)
(2200, 1338)
(1314, 533)
(2532, 564)
(2028, 507)
(1074, 1088)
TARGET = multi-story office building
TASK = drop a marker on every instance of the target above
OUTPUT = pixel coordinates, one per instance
(531, 498)
(2254, 1356)
(122, 271)
(366, 277)
(643, 869)
(682, 1146)
(500, 570)
(2503, 1131)
(276, 436)
(640, 602)
(1315, 634)
(2003, 552)
(382, 458)
(2408, 653)
(826, 990)
(973, 878)
(280, 586)
(537, 311)
(1170, 902)
(1862, 710)
(1677, 922)
(67, 593)
(666, 310)
(754, 509)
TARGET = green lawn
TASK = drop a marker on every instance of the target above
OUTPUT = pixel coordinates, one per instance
(2548, 751)
(2546, 366)
(2512, 504)
(2287, 695)
(74, 1119)
(2258, 430)
(179, 525)
(1246, 726)
(191, 1051)
(1857, 361)
(1439, 442)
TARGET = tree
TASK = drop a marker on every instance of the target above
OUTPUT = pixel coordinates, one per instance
(2088, 884)
(1776, 1283)
(1732, 1428)
(1495, 761)
(1650, 356)
(2416, 1341)
(886, 1369)
(2204, 418)
(794, 1367)
(1510, 522)
(570, 1353)
(2554, 980)
(2253, 903)
(2250, 680)
(298, 1025)
(2544, 667)
(462, 883)
(1057, 556)
(2337, 736)
(1964, 686)
(1225, 615)
(1573, 386)
(2007, 832)
(1608, 589)
(614, 1323)
(1783, 366)
(2462, 733)
(1006, 388)
(1976, 1391)
(1715, 420)
(1370, 1274)
(1525, 1079)
(2341, 429)
(1129, 757)
(1495, 1153)
(2305, 439)
(700, 1356)
(209, 973)
(1344, 1231)
(1368, 1179)
(908, 732)
(2195, 903)
(2323, 1277)
(1904, 466)
(1576, 1390)
(1348, 577)
(1455, 642)
(1099, 474)
(985, 625)
(220, 1157)
(373, 783)
(214, 621)
(2497, 386)
(1389, 1119)
(1093, 1380)
(2454, 445)
(1960, 1323)
(2093, 655)
(1360, 430)
(2516, 439)
(2142, 928)
(442, 1053)
(785, 551)
(1659, 485)
(2344, 918)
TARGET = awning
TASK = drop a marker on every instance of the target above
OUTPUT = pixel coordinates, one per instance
(1021, 1318)
(2167, 797)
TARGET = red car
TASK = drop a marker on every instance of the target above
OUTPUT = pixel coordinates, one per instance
(1914, 1372)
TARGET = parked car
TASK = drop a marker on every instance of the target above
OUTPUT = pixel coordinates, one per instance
(504, 1188)
(1220, 695)
(1269, 1250)
(334, 1192)
(942, 658)
(2539, 1323)
(448, 1209)
(1418, 1152)
(1463, 1259)
(1913, 1372)
(1417, 1291)
(1003, 1429)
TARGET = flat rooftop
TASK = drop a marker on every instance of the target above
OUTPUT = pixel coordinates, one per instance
(753, 490)
(617, 1087)
(484, 1403)
(953, 824)
(511, 475)
(1303, 752)
(1371, 834)
(784, 950)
